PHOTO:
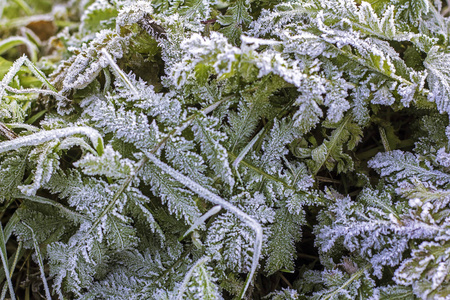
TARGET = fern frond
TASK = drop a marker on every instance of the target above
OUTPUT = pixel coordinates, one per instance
(398, 165)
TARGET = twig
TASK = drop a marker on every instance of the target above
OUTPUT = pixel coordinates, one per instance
(326, 179)
(6, 132)
(285, 280)
(307, 256)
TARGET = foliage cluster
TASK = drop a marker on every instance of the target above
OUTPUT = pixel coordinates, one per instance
(220, 149)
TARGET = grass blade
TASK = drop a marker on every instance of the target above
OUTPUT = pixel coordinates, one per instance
(4, 257)
(41, 263)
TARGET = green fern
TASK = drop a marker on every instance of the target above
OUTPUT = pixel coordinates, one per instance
(225, 149)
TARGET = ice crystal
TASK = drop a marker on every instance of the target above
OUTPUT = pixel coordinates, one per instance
(201, 149)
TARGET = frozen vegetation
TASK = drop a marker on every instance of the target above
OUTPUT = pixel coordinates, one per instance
(235, 149)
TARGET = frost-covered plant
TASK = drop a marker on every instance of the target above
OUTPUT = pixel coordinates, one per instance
(226, 149)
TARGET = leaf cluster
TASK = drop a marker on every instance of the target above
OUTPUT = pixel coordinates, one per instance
(225, 149)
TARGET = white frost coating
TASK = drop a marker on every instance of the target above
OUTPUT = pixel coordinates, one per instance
(258, 42)
(415, 202)
(44, 169)
(437, 63)
(247, 148)
(119, 72)
(17, 40)
(40, 262)
(110, 163)
(132, 13)
(188, 276)
(440, 275)
(202, 219)
(45, 136)
(13, 71)
(201, 191)
(37, 91)
(98, 5)
(23, 126)
(5, 264)
(443, 158)
(38, 73)
(10, 75)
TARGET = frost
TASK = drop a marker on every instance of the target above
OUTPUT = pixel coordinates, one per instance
(437, 64)
(215, 153)
(398, 165)
(443, 157)
(11, 73)
(201, 191)
(83, 68)
(383, 96)
(45, 136)
(47, 163)
(187, 149)
(110, 164)
(126, 125)
(133, 13)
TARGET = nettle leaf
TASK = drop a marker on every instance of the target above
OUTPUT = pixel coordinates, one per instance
(414, 12)
(387, 23)
(81, 69)
(383, 27)
(99, 15)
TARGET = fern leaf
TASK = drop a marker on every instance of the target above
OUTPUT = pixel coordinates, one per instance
(179, 200)
(331, 152)
(398, 165)
(109, 164)
(285, 232)
(198, 283)
(47, 162)
(439, 77)
(210, 141)
(12, 170)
